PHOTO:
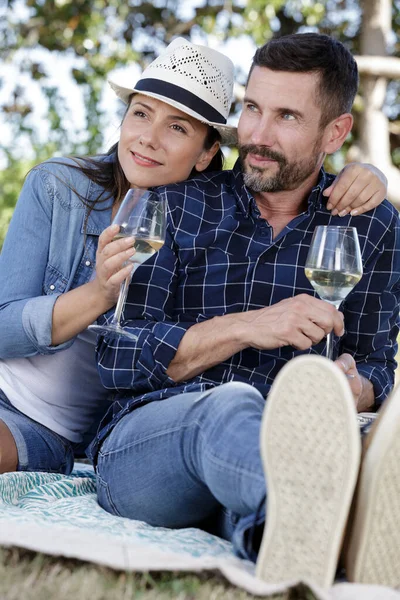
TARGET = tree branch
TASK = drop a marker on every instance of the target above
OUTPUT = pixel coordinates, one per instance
(379, 66)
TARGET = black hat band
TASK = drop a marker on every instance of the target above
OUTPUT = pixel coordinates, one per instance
(178, 94)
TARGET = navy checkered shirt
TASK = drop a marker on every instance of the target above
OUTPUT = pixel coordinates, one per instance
(220, 257)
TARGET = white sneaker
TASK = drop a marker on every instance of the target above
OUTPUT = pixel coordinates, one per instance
(373, 552)
(310, 446)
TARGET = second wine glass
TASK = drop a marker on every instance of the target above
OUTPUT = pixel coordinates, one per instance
(142, 216)
(334, 266)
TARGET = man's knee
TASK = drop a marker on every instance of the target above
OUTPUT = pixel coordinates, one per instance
(236, 398)
(237, 391)
(8, 450)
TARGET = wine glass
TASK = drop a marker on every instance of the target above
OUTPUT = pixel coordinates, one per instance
(142, 216)
(334, 266)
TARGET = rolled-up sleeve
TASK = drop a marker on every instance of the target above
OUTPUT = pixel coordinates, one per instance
(142, 365)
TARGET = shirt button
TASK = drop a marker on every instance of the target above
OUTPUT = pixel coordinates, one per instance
(88, 263)
(52, 287)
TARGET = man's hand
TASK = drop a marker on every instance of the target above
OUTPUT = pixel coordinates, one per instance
(357, 189)
(301, 321)
(362, 389)
(347, 364)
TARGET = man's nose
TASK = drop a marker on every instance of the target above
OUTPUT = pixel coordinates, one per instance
(264, 133)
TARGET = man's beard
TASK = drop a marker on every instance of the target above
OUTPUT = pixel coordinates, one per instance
(290, 175)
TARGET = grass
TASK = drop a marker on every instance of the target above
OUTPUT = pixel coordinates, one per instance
(25, 575)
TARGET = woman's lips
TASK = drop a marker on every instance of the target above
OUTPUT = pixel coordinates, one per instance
(144, 161)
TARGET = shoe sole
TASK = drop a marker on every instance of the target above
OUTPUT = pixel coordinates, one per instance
(310, 447)
(373, 555)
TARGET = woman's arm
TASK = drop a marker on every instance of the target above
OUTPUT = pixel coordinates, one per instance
(77, 309)
(36, 316)
(25, 313)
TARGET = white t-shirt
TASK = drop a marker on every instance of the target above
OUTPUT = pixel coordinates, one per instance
(62, 391)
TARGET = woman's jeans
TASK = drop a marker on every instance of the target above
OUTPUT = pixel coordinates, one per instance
(38, 447)
(189, 460)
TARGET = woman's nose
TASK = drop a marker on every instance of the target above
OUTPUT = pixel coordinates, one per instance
(150, 137)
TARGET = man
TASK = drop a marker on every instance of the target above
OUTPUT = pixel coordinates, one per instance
(224, 306)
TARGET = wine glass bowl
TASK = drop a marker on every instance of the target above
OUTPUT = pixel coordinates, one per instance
(334, 265)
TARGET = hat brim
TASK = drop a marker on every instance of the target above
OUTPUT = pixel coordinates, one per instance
(228, 133)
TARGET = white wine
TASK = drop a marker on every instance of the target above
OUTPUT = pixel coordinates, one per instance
(332, 286)
(145, 248)
(120, 236)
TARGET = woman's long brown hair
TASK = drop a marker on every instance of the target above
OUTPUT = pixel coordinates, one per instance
(109, 175)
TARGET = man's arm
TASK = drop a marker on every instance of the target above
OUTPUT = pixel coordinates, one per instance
(300, 321)
(372, 314)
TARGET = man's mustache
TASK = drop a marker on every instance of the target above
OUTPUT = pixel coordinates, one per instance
(263, 151)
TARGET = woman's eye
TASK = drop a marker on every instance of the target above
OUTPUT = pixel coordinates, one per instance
(139, 113)
(178, 128)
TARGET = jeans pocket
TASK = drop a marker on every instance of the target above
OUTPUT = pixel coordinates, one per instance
(104, 496)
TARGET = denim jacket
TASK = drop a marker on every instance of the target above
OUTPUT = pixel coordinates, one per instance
(46, 253)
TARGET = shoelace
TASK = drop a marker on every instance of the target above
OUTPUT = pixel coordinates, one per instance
(365, 422)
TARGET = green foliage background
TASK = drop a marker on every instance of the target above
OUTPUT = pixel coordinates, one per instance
(101, 35)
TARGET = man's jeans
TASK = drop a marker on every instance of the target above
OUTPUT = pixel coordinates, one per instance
(188, 460)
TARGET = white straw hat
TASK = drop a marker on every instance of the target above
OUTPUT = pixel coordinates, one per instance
(195, 79)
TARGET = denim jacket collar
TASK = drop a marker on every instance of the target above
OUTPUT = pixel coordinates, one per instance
(96, 219)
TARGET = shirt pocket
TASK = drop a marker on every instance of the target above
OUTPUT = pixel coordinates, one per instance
(54, 282)
(215, 283)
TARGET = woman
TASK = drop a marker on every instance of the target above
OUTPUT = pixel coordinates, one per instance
(60, 268)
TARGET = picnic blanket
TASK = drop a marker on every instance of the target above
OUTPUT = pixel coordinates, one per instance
(59, 515)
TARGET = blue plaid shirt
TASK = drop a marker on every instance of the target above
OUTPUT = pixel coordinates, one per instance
(220, 257)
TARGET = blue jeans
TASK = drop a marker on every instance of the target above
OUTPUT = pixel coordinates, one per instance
(189, 460)
(39, 448)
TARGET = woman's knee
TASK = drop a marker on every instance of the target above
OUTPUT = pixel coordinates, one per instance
(8, 450)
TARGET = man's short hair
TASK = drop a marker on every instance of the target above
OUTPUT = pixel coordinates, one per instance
(315, 53)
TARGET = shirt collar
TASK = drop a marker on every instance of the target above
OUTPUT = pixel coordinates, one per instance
(242, 194)
(100, 217)
(316, 200)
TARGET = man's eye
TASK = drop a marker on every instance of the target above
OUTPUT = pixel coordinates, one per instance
(288, 117)
(251, 107)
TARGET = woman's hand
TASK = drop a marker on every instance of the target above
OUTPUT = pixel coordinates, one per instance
(111, 257)
(357, 189)
(78, 308)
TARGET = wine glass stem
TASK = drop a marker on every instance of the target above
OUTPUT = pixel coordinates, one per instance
(329, 346)
(329, 337)
(123, 292)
